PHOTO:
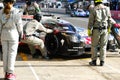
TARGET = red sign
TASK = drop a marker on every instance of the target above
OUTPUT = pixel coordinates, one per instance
(115, 14)
(27, 16)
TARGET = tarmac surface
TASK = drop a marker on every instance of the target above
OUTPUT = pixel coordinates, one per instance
(27, 68)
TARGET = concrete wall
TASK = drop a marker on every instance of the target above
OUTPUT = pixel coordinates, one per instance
(54, 10)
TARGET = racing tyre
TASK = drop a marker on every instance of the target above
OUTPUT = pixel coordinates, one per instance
(51, 43)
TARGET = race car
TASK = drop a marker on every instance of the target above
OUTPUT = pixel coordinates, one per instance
(66, 39)
(79, 13)
(70, 40)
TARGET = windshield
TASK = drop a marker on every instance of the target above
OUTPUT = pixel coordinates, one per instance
(59, 25)
(67, 27)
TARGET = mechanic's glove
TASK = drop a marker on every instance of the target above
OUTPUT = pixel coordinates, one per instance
(109, 30)
(89, 32)
(56, 31)
(116, 25)
(49, 31)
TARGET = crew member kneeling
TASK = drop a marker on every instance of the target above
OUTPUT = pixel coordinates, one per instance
(32, 41)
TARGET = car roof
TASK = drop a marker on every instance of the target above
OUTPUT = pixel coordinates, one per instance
(63, 21)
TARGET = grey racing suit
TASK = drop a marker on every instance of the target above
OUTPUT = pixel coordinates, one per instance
(98, 23)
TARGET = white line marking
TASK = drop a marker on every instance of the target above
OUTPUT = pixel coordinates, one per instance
(116, 70)
(33, 71)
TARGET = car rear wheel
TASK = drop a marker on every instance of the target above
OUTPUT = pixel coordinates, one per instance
(59, 44)
(56, 44)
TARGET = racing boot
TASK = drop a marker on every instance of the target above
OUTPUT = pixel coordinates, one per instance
(37, 54)
(46, 57)
(101, 63)
(92, 63)
(45, 54)
(10, 76)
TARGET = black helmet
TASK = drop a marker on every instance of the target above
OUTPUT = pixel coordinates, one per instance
(5, 1)
(37, 17)
(28, 3)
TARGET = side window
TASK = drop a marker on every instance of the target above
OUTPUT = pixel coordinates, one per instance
(72, 28)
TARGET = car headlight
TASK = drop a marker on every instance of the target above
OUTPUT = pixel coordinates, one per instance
(74, 38)
(84, 33)
(82, 40)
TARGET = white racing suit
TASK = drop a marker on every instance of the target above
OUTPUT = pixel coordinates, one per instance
(31, 40)
(10, 38)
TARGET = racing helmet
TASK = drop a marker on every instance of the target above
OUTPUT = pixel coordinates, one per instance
(5, 1)
(106, 3)
(37, 17)
(28, 3)
(98, 1)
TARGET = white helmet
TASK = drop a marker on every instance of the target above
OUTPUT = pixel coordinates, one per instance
(105, 1)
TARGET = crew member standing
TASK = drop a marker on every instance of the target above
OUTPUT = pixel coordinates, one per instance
(31, 8)
(98, 29)
(10, 27)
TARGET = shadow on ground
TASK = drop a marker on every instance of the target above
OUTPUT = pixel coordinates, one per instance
(72, 57)
(1, 78)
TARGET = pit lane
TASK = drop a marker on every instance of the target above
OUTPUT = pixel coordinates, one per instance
(58, 68)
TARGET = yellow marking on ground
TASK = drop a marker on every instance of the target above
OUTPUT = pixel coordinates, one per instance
(85, 58)
(23, 56)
